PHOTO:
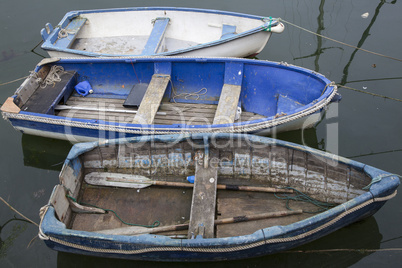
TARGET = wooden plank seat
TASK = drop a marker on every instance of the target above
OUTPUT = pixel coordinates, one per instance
(203, 204)
(156, 37)
(152, 99)
(227, 106)
(230, 94)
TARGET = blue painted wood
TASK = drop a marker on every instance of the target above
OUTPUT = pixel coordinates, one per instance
(228, 31)
(156, 37)
(233, 73)
(71, 30)
(260, 83)
(286, 104)
(262, 242)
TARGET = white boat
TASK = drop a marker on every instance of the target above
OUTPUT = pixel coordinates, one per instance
(158, 31)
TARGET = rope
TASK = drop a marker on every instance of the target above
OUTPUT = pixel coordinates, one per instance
(302, 197)
(339, 42)
(16, 211)
(155, 224)
(369, 93)
(63, 33)
(186, 94)
(3, 84)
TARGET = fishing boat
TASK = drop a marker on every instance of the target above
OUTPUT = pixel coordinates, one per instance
(205, 197)
(104, 98)
(158, 31)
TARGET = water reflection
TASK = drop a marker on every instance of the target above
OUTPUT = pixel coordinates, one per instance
(10, 234)
(44, 153)
(351, 237)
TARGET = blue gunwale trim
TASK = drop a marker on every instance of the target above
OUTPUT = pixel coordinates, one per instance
(49, 42)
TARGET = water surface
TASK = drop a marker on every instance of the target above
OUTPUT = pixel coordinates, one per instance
(363, 127)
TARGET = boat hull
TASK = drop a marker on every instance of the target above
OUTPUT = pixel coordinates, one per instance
(272, 97)
(264, 241)
(204, 29)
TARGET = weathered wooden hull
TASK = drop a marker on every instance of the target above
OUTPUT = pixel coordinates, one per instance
(272, 97)
(188, 32)
(244, 159)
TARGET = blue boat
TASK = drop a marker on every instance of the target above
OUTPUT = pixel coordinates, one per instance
(205, 197)
(106, 98)
(158, 31)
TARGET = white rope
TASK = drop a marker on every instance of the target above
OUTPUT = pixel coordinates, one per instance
(63, 33)
(53, 76)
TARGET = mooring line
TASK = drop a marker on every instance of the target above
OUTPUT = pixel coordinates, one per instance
(3, 84)
(19, 213)
(369, 93)
(339, 42)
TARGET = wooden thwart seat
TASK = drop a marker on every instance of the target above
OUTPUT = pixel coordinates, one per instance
(152, 99)
(156, 37)
(203, 204)
(227, 106)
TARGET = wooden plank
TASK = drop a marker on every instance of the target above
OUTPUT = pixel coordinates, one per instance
(60, 203)
(204, 202)
(227, 106)
(152, 99)
(10, 107)
(43, 99)
(168, 205)
(231, 204)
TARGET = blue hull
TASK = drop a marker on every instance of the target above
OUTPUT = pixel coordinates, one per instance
(262, 242)
(283, 97)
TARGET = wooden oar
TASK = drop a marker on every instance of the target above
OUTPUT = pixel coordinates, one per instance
(135, 230)
(138, 182)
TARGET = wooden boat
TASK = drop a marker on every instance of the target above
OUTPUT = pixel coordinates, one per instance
(158, 31)
(164, 96)
(252, 196)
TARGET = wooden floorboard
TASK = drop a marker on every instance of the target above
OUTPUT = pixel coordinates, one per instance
(145, 206)
(176, 113)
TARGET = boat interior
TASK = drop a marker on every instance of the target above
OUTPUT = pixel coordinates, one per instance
(167, 93)
(235, 182)
(160, 31)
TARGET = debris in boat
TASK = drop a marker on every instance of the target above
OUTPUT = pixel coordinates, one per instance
(365, 15)
(83, 88)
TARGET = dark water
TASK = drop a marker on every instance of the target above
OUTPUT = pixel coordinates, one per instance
(363, 127)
